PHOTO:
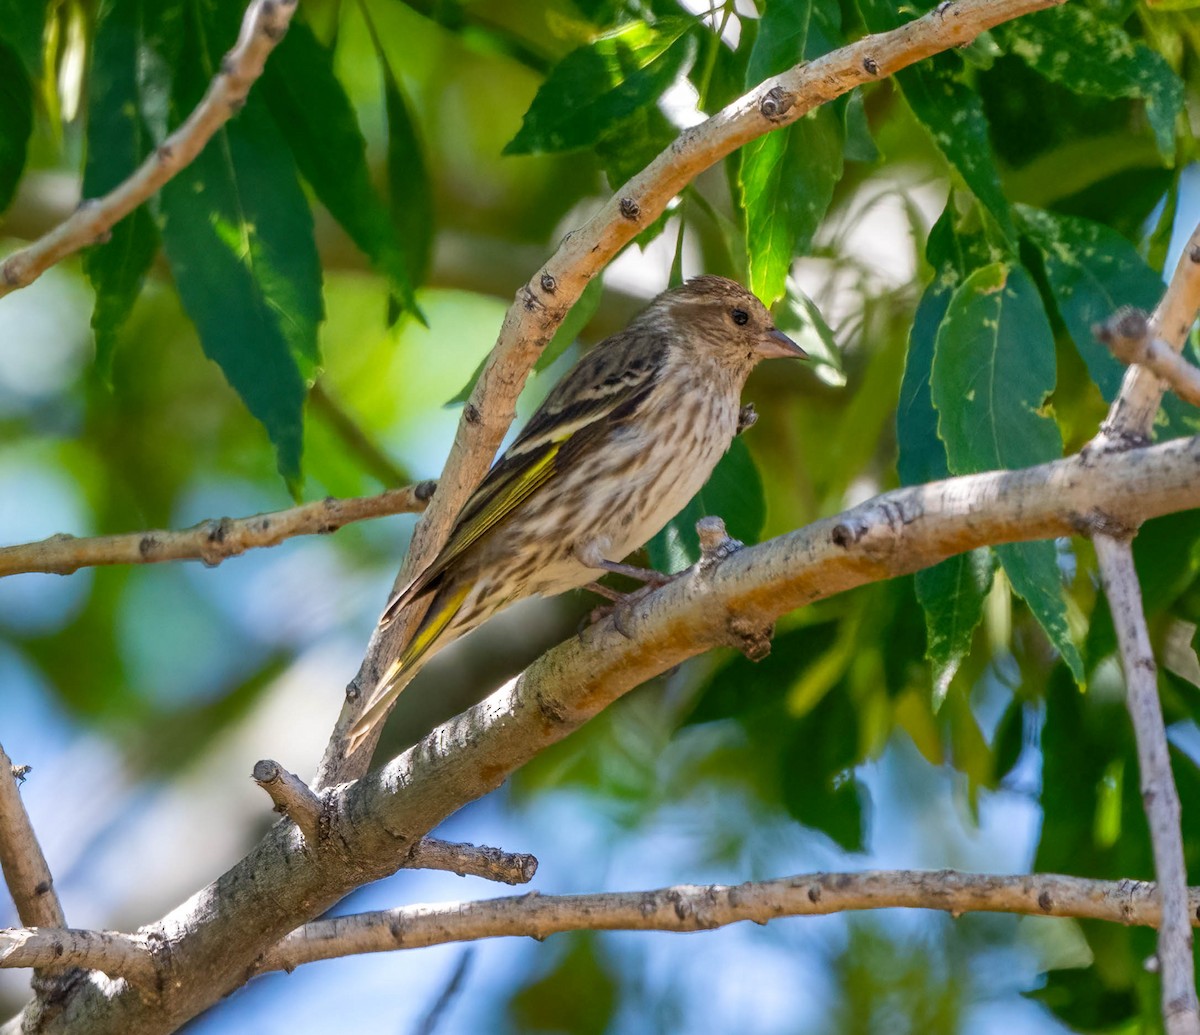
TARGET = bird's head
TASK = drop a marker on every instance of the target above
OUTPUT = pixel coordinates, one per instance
(721, 319)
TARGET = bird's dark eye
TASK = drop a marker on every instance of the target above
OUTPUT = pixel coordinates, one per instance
(740, 317)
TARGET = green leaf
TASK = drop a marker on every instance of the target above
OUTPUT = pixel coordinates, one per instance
(953, 114)
(315, 116)
(1092, 271)
(22, 24)
(746, 689)
(16, 121)
(802, 321)
(410, 193)
(134, 46)
(580, 993)
(1071, 45)
(993, 368)
(633, 143)
(819, 786)
(952, 595)
(734, 492)
(860, 145)
(568, 331)
(786, 178)
(239, 237)
(598, 85)
(953, 256)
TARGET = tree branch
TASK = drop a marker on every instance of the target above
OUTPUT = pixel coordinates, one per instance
(689, 907)
(264, 25)
(26, 872)
(685, 907)
(21, 859)
(473, 861)
(293, 798)
(62, 949)
(1127, 335)
(545, 299)
(1129, 422)
(210, 541)
(375, 821)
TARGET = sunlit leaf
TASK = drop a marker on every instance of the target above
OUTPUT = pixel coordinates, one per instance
(787, 177)
(239, 237)
(595, 87)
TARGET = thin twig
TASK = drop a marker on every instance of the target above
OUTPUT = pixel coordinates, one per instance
(292, 798)
(544, 300)
(473, 861)
(211, 541)
(686, 907)
(56, 950)
(701, 908)
(1128, 424)
(264, 25)
(1127, 335)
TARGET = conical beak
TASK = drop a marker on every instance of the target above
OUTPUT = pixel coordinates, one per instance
(777, 345)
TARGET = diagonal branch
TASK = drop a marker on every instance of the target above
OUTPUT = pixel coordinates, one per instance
(210, 541)
(700, 908)
(1129, 423)
(544, 300)
(25, 870)
(264, 25)
(375, 821)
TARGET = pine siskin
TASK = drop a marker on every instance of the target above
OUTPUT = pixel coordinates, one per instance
(620, 445)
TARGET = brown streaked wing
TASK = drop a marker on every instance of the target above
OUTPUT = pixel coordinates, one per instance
(603, 388)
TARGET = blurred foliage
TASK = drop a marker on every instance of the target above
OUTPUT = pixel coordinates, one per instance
(398, 172)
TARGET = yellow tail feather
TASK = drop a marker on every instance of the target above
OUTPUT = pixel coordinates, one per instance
(401, 671)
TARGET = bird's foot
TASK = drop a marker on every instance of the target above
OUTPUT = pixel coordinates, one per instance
(621, 607)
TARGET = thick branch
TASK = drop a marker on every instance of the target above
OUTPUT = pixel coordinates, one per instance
(210, 541)
(700, 908)
(264, 25)
(374, 822)
(25, 870)
(1129, 422)
(544, 300)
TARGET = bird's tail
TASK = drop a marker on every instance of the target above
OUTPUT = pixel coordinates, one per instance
(401, 671)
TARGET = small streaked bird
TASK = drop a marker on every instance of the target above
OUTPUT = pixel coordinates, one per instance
(620, 445)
